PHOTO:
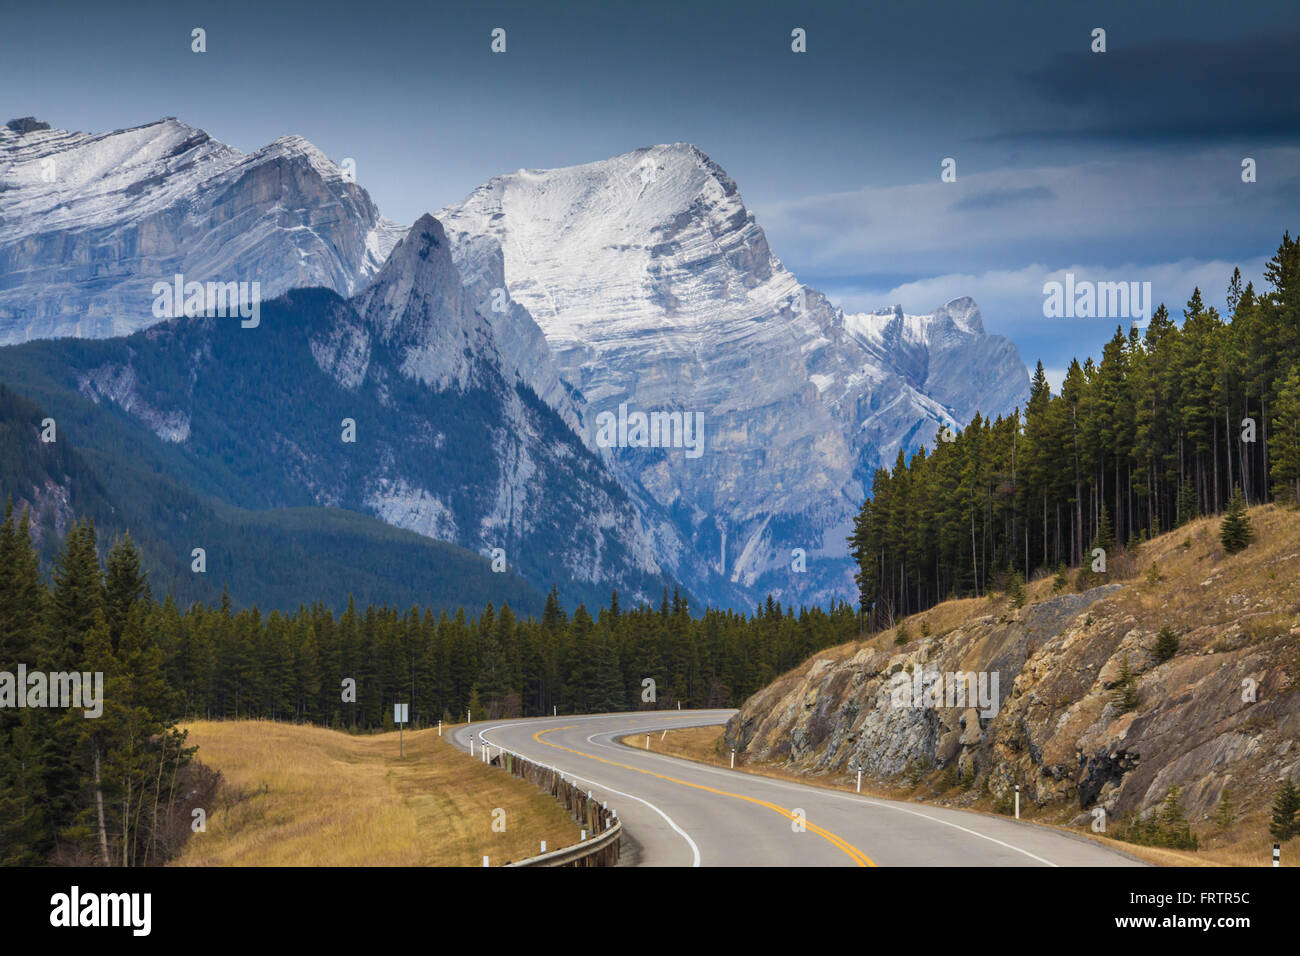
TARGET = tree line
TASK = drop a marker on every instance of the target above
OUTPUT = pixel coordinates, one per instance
(101, 784)
(1159, 432)
(118, 789)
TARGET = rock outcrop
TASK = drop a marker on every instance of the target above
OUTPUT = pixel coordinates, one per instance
(1222, 713)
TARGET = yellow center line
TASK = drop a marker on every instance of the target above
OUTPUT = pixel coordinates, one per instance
(858, 857)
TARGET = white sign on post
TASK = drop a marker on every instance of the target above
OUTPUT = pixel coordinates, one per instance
(400, 717)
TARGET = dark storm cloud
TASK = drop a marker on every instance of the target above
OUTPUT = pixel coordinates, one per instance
(1124, 160)
(1174, 91)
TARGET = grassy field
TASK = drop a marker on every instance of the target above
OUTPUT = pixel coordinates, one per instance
(306, 796)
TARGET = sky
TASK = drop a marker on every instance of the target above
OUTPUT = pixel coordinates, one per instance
(1123, 165)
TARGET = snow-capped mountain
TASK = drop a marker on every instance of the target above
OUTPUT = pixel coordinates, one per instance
(655, 288)
(90, 221)
(635, 285)
(393, 404)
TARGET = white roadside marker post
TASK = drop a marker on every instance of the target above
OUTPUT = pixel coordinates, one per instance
(584, 836)
(1017, 801)
(1277, 854)
(543, 846)
(733, 758)
(485, 861)
(471, 746)
(859, 781)
(401, 715)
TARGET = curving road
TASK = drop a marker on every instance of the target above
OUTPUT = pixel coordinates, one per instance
(679, 813)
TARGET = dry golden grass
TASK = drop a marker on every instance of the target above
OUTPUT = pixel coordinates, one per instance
(1197, 581)
(1247, 844)
(307, 796)
(701, 744)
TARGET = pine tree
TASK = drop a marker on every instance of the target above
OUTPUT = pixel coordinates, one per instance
(1166, 645)
(1125, 694)
(1105, 537)
(1174, 830)
(124, 584)
(77, 599)
(1285, 822)
(608, 693)
(1284, 441)
(25, 832)
(21, 594)
(1187, 508)
(1225, 814)
(475, 706)
(1016, 589)
(1235, 531)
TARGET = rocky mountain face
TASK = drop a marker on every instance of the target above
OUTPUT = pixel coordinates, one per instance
(107, 467)
(639, 285)
(394, 405)
(654, 287)
(90, 221)
(1222, 714)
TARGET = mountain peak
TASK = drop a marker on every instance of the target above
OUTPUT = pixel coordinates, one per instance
(418, 305)
(26, 124)
(420, 242)
(167, 198)
(429, 224)
(963, 313)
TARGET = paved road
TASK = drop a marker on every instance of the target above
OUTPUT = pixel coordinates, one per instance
(679, 813)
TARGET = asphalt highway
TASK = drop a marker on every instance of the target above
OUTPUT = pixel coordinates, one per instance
(676, 812)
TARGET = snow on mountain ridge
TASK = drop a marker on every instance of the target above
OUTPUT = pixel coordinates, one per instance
(639, 279)
(656, 287)
(91, 220)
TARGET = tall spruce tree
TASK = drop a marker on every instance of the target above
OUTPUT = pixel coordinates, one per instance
(1235, 531)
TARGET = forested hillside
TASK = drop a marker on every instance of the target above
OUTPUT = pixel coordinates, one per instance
(162, 663)
(267, 557)
(1157, 433)
(206, 430)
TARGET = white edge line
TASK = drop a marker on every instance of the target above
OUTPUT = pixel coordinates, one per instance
(695, 850)
(829, 793)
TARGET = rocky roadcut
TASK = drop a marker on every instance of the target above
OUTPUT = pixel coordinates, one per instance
(1221, 714)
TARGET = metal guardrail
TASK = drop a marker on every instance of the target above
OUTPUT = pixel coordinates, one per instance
(598, 851)
(601, 848)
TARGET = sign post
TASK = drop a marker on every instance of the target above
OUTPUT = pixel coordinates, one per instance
(400, 717)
